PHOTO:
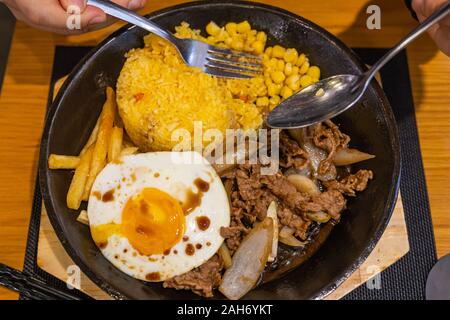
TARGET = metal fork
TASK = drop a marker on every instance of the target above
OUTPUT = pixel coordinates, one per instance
(210, 59)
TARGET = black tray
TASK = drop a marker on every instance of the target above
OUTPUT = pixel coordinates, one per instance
(406, 278)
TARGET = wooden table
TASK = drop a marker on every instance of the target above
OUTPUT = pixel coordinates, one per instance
(24, 96)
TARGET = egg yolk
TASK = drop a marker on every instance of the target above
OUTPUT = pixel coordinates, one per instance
(152, 221)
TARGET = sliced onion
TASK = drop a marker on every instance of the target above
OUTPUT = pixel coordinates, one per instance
(248, 261)
(304, 184)
(291, 241)
(225, 254)
(321, 217)
(286, 232)
(272, 213)
(83, 217)
(347, 156)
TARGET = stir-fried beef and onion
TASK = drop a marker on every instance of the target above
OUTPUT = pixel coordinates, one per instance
(309, 189)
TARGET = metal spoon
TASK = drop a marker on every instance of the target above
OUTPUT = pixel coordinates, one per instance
(331, 96)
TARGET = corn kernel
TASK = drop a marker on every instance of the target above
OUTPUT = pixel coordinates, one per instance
(231, 28)
(278, 51)
(268, 81)
(288, 69)
(291, 55)
(211, 40)
(261, 36)
(273, 63)
(243, 27)
(314, 72)
(228, 41)
(274, 89)
(306, 81)
(286, 92)
(252, 33)
(295, 69)
(278, 76)
(265, 57)
(320, 92)
(258, 47)
(212, 28)
(293, 82)
(304, 68)
(262, 102)
(274, 101)
(237, 44)
(250, 40)
(280, 65)
(300, 60)
(222, 35)
(269, 51)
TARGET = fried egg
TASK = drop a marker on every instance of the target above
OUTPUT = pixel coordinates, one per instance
(158, 215)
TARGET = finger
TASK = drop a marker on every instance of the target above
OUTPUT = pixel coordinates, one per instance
(425, 8)
(93, 18)
(130, 4)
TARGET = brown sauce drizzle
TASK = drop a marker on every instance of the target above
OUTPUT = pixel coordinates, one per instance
(102, 245)
(208, 243)
(108, 196)
(97, 194)
(193, 200)
(156, 174)
(203, 222)
(198, 246)
(202, 185)
(185, 238)
(166, 252)
(153, 276)
(190, 250)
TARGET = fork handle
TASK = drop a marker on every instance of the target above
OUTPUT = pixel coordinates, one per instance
(122, 13)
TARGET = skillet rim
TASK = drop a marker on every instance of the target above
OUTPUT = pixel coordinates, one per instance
(387, 114)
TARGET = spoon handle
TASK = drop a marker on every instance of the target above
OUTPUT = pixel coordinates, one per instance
(421, 28)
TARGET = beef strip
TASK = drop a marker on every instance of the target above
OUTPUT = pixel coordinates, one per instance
(201, 280)
(291, 154)
(328, 137)
(330, 201)
(287, 217)
(352, 183)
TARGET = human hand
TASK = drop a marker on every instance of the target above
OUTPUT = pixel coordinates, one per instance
(52, 15)
(440, 32)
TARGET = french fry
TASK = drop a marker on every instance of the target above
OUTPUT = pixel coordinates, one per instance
(128, 151)
(92, 137)
(56, 161)
(101, 145)
(115, 144)
(77, 186)
(83, 217)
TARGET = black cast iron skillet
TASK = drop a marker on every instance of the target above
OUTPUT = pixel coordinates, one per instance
(371, 126)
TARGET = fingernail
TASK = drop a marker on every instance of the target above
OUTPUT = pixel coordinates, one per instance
(134, 4)
(96, 20)
(78, 3)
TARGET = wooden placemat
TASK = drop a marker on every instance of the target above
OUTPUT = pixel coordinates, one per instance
(393, 245)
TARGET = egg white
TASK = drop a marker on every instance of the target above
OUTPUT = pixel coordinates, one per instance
(173, 173)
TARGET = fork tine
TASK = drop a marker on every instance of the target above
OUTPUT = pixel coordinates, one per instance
(232, 68)
(250, 65)
(225, 74)
(232, 54)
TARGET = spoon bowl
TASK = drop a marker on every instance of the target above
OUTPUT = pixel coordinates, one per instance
(318, 102)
